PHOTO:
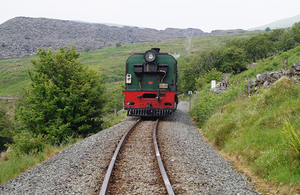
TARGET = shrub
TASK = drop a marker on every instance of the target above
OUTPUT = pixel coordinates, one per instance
(64, 96)
(28, 143)
(291, 136)
(118, 45)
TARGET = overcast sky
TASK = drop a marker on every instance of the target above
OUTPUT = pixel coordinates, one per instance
(206, 15)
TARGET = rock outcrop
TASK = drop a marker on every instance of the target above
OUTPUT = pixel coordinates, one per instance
(269, 78)
(21, 36)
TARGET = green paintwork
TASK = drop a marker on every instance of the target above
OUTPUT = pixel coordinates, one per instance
(155, 78)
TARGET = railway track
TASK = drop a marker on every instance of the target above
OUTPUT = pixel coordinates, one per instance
(136, 167)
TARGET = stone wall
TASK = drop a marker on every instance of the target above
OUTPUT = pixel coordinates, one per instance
(267, 79)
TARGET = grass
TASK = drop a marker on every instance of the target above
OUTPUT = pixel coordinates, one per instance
(251, 128)
(12, 165)
(114, 119)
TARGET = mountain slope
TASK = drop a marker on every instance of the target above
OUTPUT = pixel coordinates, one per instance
(21, 36)
(284, 23)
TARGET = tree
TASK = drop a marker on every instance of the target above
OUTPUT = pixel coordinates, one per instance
(267, 29)
(296, 31)
(187, 79)
(238, 43)
(231, 59)
(286, 41)
(258, 47)
(64, 97)
(204, 61)
(275, 34)
(204, 79)
(6, 128)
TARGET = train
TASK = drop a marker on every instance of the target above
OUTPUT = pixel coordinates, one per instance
(151, 84)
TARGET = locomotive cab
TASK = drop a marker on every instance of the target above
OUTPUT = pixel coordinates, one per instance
(151, 84)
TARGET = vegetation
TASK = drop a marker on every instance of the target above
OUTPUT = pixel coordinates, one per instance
(236, 53)
(6, 128)
(261, 131)
(118, 44)
(201, 59)
(251, 129)
(63, 98)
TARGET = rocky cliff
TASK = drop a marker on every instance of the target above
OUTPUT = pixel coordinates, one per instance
(21, 36)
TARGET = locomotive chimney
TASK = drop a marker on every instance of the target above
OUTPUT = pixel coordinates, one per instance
(156, 50)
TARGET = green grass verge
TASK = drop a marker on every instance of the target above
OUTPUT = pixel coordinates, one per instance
(251, 128)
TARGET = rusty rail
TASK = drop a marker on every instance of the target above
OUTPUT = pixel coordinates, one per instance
(160, 163)
(105, 183)
(113, 160)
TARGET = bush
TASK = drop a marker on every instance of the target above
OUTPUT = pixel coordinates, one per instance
(208, 103)
(291, 136)
(64, 97)
(28, 143)
(118, 45)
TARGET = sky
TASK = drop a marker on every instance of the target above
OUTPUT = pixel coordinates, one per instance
(206, 15)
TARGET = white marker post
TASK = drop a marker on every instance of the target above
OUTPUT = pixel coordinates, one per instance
(190, 93)
(213, 84)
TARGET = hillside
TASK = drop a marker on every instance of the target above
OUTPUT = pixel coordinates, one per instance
(247, 125)
(21, 36)
(284, 23)
(110, 60)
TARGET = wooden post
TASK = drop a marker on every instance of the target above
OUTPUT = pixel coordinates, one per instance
(286, 64)
(248, 85)
(195, 96)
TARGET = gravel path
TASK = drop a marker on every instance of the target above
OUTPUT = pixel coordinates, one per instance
(194, 167)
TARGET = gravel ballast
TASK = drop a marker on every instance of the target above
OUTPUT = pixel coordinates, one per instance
(193, 165)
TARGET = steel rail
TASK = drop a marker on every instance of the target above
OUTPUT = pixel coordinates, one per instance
(105, 183)
(160, 163)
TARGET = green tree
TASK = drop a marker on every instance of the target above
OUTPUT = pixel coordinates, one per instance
(187, 79)
(64, 97)
(204, 79)
(238, 43)
(231, 59)
(296, 32)
(204, 61)
(6, 128)
(267, 29)
(258, 47)
(275, 34)
(286, 41)
(115, 97)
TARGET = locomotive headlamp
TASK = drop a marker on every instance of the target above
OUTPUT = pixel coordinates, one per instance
(150, 56)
